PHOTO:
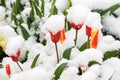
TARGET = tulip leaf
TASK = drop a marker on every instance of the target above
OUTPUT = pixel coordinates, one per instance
(92, 63)
(35, 61)
(67, 52)
(110, 9)
(38, 12)
(84, 46)
(2, 3)
(1, 66)
(24, 32)
(42, 7)
(59, 70)
(110, 54)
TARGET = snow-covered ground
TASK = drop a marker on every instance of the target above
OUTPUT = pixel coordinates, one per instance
(24, 27)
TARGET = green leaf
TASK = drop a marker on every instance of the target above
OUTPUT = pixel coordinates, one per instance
(26, 57)
(67, 52)
(53, 11)
(38, 12)
(59, 70)
(42, 6)
(69, 25)
(92, 63)
(1, 66)
(110, 54)
(36, 2)
(110, 9)
(84, 46)
(35, 61)
(24, 32)
(2, 3)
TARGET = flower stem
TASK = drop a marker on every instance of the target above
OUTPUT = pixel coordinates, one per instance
(19, 66)
(88, 43)
(76, 37)
(9, 76)
(57, 52)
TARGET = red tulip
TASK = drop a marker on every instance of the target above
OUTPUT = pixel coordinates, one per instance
(76, 27)
(16, 57)
(94, 38)
(88, 31)
(60, 36)
(8, 69)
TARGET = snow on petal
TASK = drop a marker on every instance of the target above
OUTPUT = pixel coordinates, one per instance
(94, 20)
(7, 32)
(77, 14)
(54, 24)
(14, 44)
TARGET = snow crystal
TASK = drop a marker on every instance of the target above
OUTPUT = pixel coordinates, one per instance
(14, 44)
(77, 14)
(54, 24)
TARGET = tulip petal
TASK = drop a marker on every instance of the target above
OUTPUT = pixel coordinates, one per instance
(94, 38)
(62, 36)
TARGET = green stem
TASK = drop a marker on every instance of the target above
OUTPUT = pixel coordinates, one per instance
(57, 52)
(76, 37)
(88, 43)
(19, 66)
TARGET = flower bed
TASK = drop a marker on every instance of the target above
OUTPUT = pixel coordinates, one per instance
(59, 40)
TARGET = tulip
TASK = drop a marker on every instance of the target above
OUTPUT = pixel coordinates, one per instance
(59, 36)
(94, 38)
(88, 33)
(16, 57)
(8, 69)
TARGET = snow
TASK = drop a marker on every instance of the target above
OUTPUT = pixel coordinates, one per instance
(93, 4)
(3, 75)
(39, 74)
(54, 24)
(94, 20)
(77, 14)
(113, 27)
(14, 44)
(86, 56)
(2, 13)
(7, 32)
(61, 4)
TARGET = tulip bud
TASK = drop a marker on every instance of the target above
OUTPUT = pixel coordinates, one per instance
(8, 70)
